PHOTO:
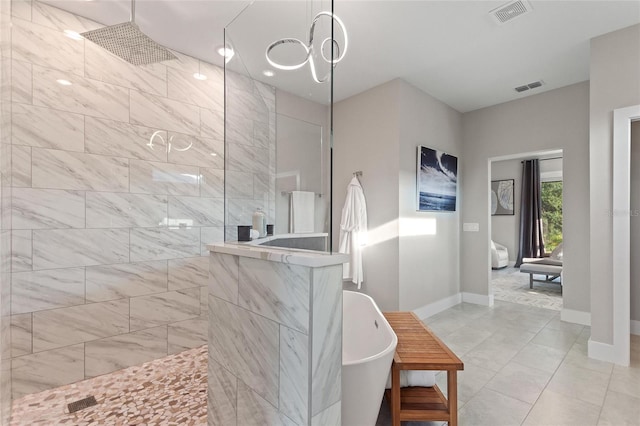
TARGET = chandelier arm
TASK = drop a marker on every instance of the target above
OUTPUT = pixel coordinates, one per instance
(342, 28)
(337, 46)
(287, 41)
(314, 74)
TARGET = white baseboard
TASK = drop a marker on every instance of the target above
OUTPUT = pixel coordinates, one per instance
(478, 299)
(584, 318)
(431, 309)
(601, 351)
(576, 317)
(607, 352)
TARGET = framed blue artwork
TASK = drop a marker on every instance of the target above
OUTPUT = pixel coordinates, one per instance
(436, 181)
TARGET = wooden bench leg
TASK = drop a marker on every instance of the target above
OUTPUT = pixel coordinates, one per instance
(395, 395)
(452, 396)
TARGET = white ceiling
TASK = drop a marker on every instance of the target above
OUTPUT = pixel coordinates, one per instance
(451, 49)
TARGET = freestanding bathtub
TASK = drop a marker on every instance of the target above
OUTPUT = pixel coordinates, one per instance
(368, 345)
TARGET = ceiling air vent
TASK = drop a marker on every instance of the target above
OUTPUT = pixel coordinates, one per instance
(526, 87)
(510, 11)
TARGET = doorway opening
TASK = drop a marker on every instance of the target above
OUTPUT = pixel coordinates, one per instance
(507, 282)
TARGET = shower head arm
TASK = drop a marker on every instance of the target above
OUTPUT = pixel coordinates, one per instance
(133, 11)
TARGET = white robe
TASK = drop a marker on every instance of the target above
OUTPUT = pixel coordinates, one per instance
(353, 231)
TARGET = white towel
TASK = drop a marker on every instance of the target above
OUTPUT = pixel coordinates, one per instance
(425, 378)
(353, 231)
(302, 208)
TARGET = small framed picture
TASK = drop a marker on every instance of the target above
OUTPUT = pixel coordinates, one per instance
(502, 197)
(437, 180)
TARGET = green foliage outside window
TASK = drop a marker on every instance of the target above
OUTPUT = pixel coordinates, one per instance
(551, 195)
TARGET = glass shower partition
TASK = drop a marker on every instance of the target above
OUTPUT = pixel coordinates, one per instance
(278, 122)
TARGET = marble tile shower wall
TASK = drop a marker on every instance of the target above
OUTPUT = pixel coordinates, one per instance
(5, 213)
(117, 185)
(251, 151)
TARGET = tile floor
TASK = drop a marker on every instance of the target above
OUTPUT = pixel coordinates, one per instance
(523, 366)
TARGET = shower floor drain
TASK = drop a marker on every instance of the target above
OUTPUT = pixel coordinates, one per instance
(81, 404)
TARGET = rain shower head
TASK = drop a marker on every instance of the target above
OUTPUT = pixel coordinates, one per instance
(128, 42)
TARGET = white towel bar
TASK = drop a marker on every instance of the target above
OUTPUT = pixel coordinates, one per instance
(289, 193)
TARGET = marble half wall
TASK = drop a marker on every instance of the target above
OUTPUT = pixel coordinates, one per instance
(117, 185)
(275, 339)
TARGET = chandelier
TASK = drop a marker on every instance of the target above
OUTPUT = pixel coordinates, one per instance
(308, 48)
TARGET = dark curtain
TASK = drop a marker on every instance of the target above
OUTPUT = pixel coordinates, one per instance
(531, 242)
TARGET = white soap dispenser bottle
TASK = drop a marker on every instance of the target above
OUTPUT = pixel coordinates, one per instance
(260, 222)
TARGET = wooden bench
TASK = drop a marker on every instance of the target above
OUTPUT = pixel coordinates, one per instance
(419, 349)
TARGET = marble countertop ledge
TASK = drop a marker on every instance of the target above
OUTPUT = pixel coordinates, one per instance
(280, 237)
(275, 254)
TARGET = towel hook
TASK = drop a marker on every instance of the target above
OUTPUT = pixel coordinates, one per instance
(358, 173)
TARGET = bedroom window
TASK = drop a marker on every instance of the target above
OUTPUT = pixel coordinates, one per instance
(551, 194)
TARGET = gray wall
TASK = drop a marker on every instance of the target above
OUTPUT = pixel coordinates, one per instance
(635, 220)
(429, 264)
(552, 120)
(378, 132)
(615, 83)
(504, 229)
(366, 137)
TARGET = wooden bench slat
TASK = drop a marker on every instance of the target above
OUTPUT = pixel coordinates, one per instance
(425, 415)
(418, 344)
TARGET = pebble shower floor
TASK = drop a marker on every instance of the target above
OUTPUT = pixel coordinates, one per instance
(159, 392)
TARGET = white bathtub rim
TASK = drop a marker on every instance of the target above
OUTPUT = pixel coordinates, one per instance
(394, 337)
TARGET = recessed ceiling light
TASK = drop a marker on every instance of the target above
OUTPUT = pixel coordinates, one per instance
(73, 35)
(226, 52)
(64, 82)
(214, 154)
(268, 73)
(199, 76)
